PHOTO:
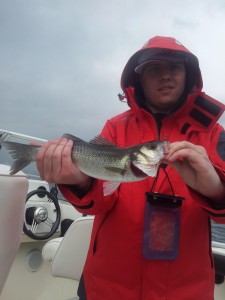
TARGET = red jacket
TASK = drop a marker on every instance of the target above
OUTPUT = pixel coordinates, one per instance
(115, 267)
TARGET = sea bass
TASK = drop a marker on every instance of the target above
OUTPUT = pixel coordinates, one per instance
(101, 159)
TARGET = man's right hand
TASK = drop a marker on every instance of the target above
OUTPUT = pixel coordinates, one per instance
(55, 164)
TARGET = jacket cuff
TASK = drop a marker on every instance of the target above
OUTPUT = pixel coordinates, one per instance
(77, 191)
(211, 207)
(77, 197)
(93, 202)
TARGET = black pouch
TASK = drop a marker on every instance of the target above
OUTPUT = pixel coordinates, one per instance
(161, 225)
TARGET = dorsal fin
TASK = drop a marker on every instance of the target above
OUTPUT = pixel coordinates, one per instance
(98, 140)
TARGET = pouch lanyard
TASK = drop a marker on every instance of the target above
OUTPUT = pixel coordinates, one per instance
(161, 224)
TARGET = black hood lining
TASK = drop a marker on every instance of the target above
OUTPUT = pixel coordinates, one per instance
(193, 75)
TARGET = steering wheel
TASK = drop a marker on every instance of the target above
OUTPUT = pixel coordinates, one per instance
(41, 220)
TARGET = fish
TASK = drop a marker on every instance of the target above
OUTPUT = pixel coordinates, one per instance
(101, 159)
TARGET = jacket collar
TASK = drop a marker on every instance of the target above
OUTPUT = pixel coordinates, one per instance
(198, 112)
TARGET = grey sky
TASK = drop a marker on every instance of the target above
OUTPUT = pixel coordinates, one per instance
(61, 60)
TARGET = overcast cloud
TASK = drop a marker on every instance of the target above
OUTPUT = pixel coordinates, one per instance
(61, 60)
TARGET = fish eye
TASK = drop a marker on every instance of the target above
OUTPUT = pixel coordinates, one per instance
(153, 147)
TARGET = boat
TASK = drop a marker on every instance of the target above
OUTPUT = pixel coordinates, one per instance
(44, 240)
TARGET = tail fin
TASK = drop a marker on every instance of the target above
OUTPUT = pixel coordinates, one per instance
(22, 155)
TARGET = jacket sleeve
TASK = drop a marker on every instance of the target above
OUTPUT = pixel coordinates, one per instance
(216, 154)
(215, 212)
(94, 202)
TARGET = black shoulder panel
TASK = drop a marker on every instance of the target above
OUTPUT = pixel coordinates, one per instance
(206, 111)
(200, 117)
(207, 105)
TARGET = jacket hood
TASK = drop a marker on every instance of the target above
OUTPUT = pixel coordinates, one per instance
(160, 45)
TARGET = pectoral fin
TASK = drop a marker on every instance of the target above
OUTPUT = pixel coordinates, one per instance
(109, 187)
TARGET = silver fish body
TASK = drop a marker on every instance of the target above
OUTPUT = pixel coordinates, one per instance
(101, 159)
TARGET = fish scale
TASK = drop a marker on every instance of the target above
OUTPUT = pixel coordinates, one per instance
(89, 158)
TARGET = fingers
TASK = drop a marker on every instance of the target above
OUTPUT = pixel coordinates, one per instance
(53, 157)
(61, 157)
(193, 165)
(186, 150)
(184, 155)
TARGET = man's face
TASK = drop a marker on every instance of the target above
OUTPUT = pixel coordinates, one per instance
(163, 84)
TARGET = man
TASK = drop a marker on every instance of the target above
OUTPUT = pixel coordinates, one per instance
(140, 248)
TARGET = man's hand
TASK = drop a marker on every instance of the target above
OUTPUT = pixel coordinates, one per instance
(193, 164)
(55, 164)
